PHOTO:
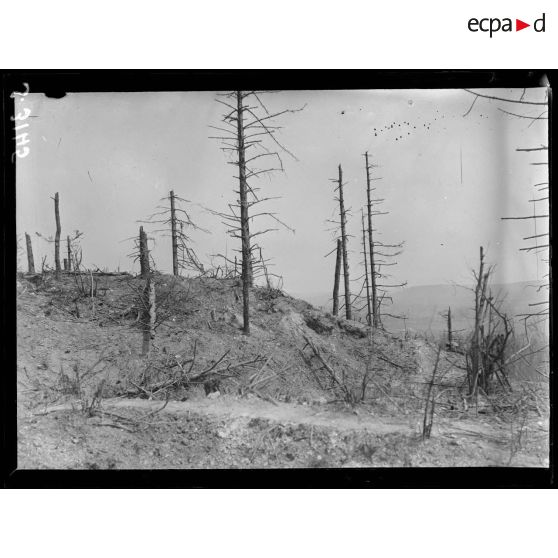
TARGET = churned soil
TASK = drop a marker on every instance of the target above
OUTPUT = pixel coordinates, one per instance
(87, 398)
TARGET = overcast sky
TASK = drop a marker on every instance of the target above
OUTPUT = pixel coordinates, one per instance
(447, 179)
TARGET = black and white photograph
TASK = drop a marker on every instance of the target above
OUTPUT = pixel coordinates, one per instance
(333, 278)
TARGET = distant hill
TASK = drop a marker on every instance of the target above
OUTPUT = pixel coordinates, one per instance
(423, 305)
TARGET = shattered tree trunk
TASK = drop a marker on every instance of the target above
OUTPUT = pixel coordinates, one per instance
(337, 278)
(69, 248)
(30, 259)
(244, 225)
(147, 302)
(343, 215)
(476, 356)
(58, 232)
(149, 315)
(174, 234)
(450, 334)
(366, 282)
(375, 307)
(144, 253)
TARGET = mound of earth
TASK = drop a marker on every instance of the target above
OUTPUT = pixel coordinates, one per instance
(229, 400)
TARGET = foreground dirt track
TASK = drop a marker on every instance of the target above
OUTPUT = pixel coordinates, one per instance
(250, 433)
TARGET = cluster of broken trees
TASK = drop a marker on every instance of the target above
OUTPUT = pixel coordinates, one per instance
(376, 254)
(492, 331)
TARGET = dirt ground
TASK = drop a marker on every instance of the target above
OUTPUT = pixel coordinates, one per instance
(85, 401)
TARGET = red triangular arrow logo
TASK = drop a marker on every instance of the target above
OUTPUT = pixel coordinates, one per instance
(519, 25)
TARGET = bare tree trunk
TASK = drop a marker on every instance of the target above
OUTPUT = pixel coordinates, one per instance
(58, 232)
(450, 333)
(337, 278)
(371, 250)
(174, 235)
(476, 357)
(144, 253)
(149, 315)
(369, 315)
(244, 224)
(69, 247)
(343, 215)
(30, 260)
(147, 302)
(430, 404)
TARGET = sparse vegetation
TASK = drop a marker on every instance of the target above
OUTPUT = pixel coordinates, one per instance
(223, 368)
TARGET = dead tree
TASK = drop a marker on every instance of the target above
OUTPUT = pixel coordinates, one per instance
(68, 266)
(147, 298)
(375, 314)
(247, 272)
(143, 253)
(475, 350)
(263, 264)
(344, 238)
(30, 260)
(538, 243)
(450, 332)
(57, 237)
(176, 217)
(380, 255)
(430, 403)
(492, 329)
(337, 279)
(74, 249)
(369, 300)
(247, 122)
(75, 254)
(149, 315)
(174, 234)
